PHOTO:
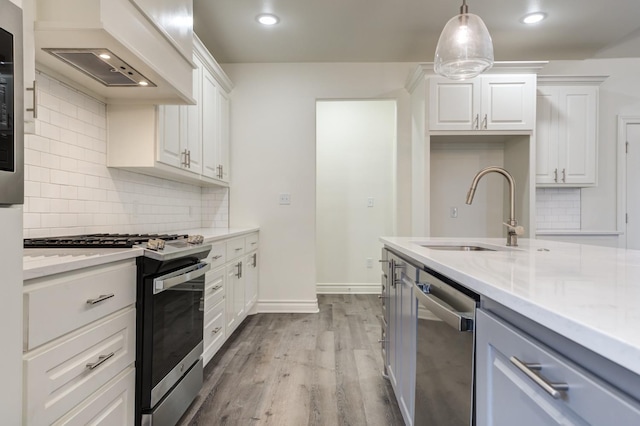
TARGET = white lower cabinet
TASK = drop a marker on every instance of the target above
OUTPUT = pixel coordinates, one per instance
(516, 374)
(231, 290)
(80, 347)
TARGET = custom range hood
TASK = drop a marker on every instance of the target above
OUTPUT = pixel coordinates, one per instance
(126, 51)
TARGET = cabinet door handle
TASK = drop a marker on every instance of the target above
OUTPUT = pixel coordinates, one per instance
(564, 175)
(216, 288)
(100, 298)
(255, 259)
(476, 122)
(216, 257)
(185, 162)
(101, 360)
(34, 89)
(555, 175)
(484, 122)
(553, 389)
(216, 330)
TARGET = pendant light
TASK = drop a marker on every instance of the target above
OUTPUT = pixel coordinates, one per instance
(465, 48)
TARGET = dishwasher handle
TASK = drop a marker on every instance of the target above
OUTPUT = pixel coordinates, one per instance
(460, 321)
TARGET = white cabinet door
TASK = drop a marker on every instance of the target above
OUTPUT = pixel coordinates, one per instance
(566, 135)
(223, 140)
(453, 105)
(210, 127)
(170, 137)
(489, 102)
(193, 122)
(507, 395)
(407, 349)
(507, 102)
(546, 136)
(250, 281)
(577, 129)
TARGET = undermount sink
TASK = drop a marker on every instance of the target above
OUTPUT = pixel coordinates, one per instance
(456, 247)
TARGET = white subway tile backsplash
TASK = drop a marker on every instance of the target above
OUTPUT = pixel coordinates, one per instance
(69, 189)
(558, 208)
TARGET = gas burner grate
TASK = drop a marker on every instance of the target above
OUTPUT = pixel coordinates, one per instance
(98, 240)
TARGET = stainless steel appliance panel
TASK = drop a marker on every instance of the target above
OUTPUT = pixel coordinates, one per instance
(11, 105)
(444, 354)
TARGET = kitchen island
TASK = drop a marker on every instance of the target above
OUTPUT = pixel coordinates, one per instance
(579, 301)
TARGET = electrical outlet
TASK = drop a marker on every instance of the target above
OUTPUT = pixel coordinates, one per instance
(369, 263)
(453, 212)
(370, 201)
(285, 199)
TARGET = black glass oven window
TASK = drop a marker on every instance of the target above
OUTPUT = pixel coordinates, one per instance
(7, 162)
(177, 326)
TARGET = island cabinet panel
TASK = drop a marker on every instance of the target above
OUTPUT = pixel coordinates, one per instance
(512, 369)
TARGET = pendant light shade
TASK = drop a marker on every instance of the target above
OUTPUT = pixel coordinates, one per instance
(465, 48)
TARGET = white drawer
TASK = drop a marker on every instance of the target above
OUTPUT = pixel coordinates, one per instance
(57, 378)
(251, 242)
(235, 248)
(214, 331)
(113, 404)
(218, 255)
(214, 289)
(58, 305)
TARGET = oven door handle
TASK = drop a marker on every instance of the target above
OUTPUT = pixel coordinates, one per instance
(180, 277)
(441, 309)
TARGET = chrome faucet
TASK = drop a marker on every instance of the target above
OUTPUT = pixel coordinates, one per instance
(512, 225)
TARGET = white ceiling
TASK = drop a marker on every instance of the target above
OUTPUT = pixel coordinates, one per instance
(408, 30)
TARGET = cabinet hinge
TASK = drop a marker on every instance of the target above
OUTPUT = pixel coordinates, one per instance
(626, 147)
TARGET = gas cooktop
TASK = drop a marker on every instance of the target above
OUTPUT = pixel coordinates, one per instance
(99, 240)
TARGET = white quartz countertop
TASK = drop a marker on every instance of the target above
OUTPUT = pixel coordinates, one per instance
(48, 261)
(588, 294)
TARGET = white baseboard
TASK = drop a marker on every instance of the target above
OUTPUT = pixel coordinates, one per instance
(348, 288)
(287, 306)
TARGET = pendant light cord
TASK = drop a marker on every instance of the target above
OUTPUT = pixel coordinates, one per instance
(464, 9)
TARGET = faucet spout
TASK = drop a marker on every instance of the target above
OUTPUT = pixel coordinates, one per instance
(512, 225)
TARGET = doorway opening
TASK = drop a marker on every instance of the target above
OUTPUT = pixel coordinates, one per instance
(355, 192)
(628, 176)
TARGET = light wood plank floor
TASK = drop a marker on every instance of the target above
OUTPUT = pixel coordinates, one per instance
(301, 369)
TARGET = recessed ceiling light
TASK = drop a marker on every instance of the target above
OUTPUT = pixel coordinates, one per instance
(533, 18)
(267, 19)
(143, 83)
(105, 56)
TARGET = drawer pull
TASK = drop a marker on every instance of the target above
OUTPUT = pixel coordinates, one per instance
(101, 360)
(216, 257)
(239, 248)
(254, 243)
(552, 389)
(100, 298)
(216, 288)
(216, 330)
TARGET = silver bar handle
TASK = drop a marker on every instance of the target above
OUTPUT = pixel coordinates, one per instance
(555, 175)
(564, 175)
(458, 320)
(476, 122)
(484, 122)
(216, 257)
(34, 89)
(101, 360)
(255, 259)
(185, 163)
(183, 276)
(100, 298)
(221, 171)
(553, 389)
(216, 330)
(216, 288)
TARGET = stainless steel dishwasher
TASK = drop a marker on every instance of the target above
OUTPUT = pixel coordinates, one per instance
(444, 386)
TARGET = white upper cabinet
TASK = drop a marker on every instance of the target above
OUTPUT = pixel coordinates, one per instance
(488, 102)
(151, 39)
(567, 131)
(188, 143)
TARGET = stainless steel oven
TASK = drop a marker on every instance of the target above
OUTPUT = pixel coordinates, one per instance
(11, 105)
(444, 385)
(169, 341)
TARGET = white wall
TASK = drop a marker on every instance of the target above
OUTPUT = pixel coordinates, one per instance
(273, 110)
(619, 94)
(355, 156)
(69, 190)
